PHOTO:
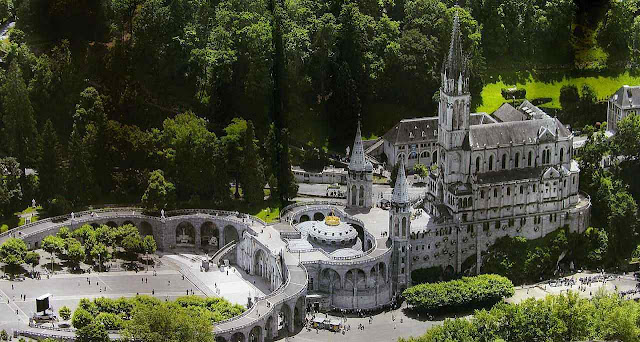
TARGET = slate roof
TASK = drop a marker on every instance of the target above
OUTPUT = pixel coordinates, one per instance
(531, 111)
(627, 97)
(510, 175)
(504, 133)
(507, 113)
(412, 130)
(480, 119)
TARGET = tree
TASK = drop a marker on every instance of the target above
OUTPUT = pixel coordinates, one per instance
(160, 193)
(109, 321)
(626, 142)
(421, 170)
(13, 252)
(93, 332)
(394, 174)
(52, 244)
(132, 244)
(64, 233)
(81, 318)
(32, 258)
(252, 174)
(149, 246)
(10, 188)
(65, 313)
(100, 252)
(19, 123)
(74, 250)
(49, 164)
(163, 322)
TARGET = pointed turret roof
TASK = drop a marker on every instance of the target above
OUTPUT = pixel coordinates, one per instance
(455, 62)
(357, 162)
(401, 189)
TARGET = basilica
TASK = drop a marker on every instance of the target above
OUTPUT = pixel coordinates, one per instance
(510, 173)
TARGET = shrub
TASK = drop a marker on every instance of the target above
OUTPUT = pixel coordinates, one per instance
(510, 93)
(65, 313)
(469, 291)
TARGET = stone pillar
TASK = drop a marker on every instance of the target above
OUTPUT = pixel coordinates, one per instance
(198, 236)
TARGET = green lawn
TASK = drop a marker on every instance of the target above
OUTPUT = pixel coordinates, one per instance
(268, 214)
(604, 86)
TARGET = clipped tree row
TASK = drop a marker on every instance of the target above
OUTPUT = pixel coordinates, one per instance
(469, 291)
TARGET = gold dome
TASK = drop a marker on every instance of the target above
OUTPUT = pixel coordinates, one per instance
(332, 220)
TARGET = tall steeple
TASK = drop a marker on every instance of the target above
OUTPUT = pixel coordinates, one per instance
(455, 73)
(401, 188)
(357, 162)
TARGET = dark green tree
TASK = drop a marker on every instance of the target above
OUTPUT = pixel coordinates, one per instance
(252, 176)
(19, 132)
(160, 193)
(50, 171)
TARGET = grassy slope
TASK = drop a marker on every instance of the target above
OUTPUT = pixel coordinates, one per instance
(604, 86)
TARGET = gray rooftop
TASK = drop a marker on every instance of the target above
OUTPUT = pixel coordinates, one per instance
(507, 113)
(516, 132)
(627, 97)
(413, 130)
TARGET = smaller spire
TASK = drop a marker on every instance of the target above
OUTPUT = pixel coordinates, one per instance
(357, 162)
(401, 188)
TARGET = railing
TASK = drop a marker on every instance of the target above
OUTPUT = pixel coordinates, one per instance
(284, 210)
(65, 217)
(215, 212)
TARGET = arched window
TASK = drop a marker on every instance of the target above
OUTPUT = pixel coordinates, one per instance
(396, 230)
(517, 161)
(481, 193)
(521, 190)
(495, 192)
(508, 191)
(354, 195)
(529, 159)
(504, 161)
(404, 227)
(361, 196)
(477, 164)
(490, 163)
(435, 157)
(561, 155)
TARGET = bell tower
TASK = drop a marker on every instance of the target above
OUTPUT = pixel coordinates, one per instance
(399, 232)
(454, 110)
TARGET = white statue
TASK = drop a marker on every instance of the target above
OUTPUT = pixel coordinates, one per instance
(33, 203)
(162, 213)
(73, 216)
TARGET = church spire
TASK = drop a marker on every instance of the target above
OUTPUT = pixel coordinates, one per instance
(455, 67)
(401, 188)
(357, 162)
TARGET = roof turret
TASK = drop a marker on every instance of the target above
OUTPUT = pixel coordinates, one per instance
(357, 162)
(401, 188)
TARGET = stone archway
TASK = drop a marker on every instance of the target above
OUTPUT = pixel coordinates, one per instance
(299, 313)
(355, 278)
(268, 330)
(330, 280)
(449, 271)
(304, 218)
(383, 271)
(318, 216)
(185, 234)
(220, 339)
(237, 337)
(260, 263)
(230, 234)
(255, 335)
(284, 319)
(145, 229)
(129, 222)
(209, 236)
(112, 224)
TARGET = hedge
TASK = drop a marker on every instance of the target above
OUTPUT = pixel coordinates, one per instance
(476, 291)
